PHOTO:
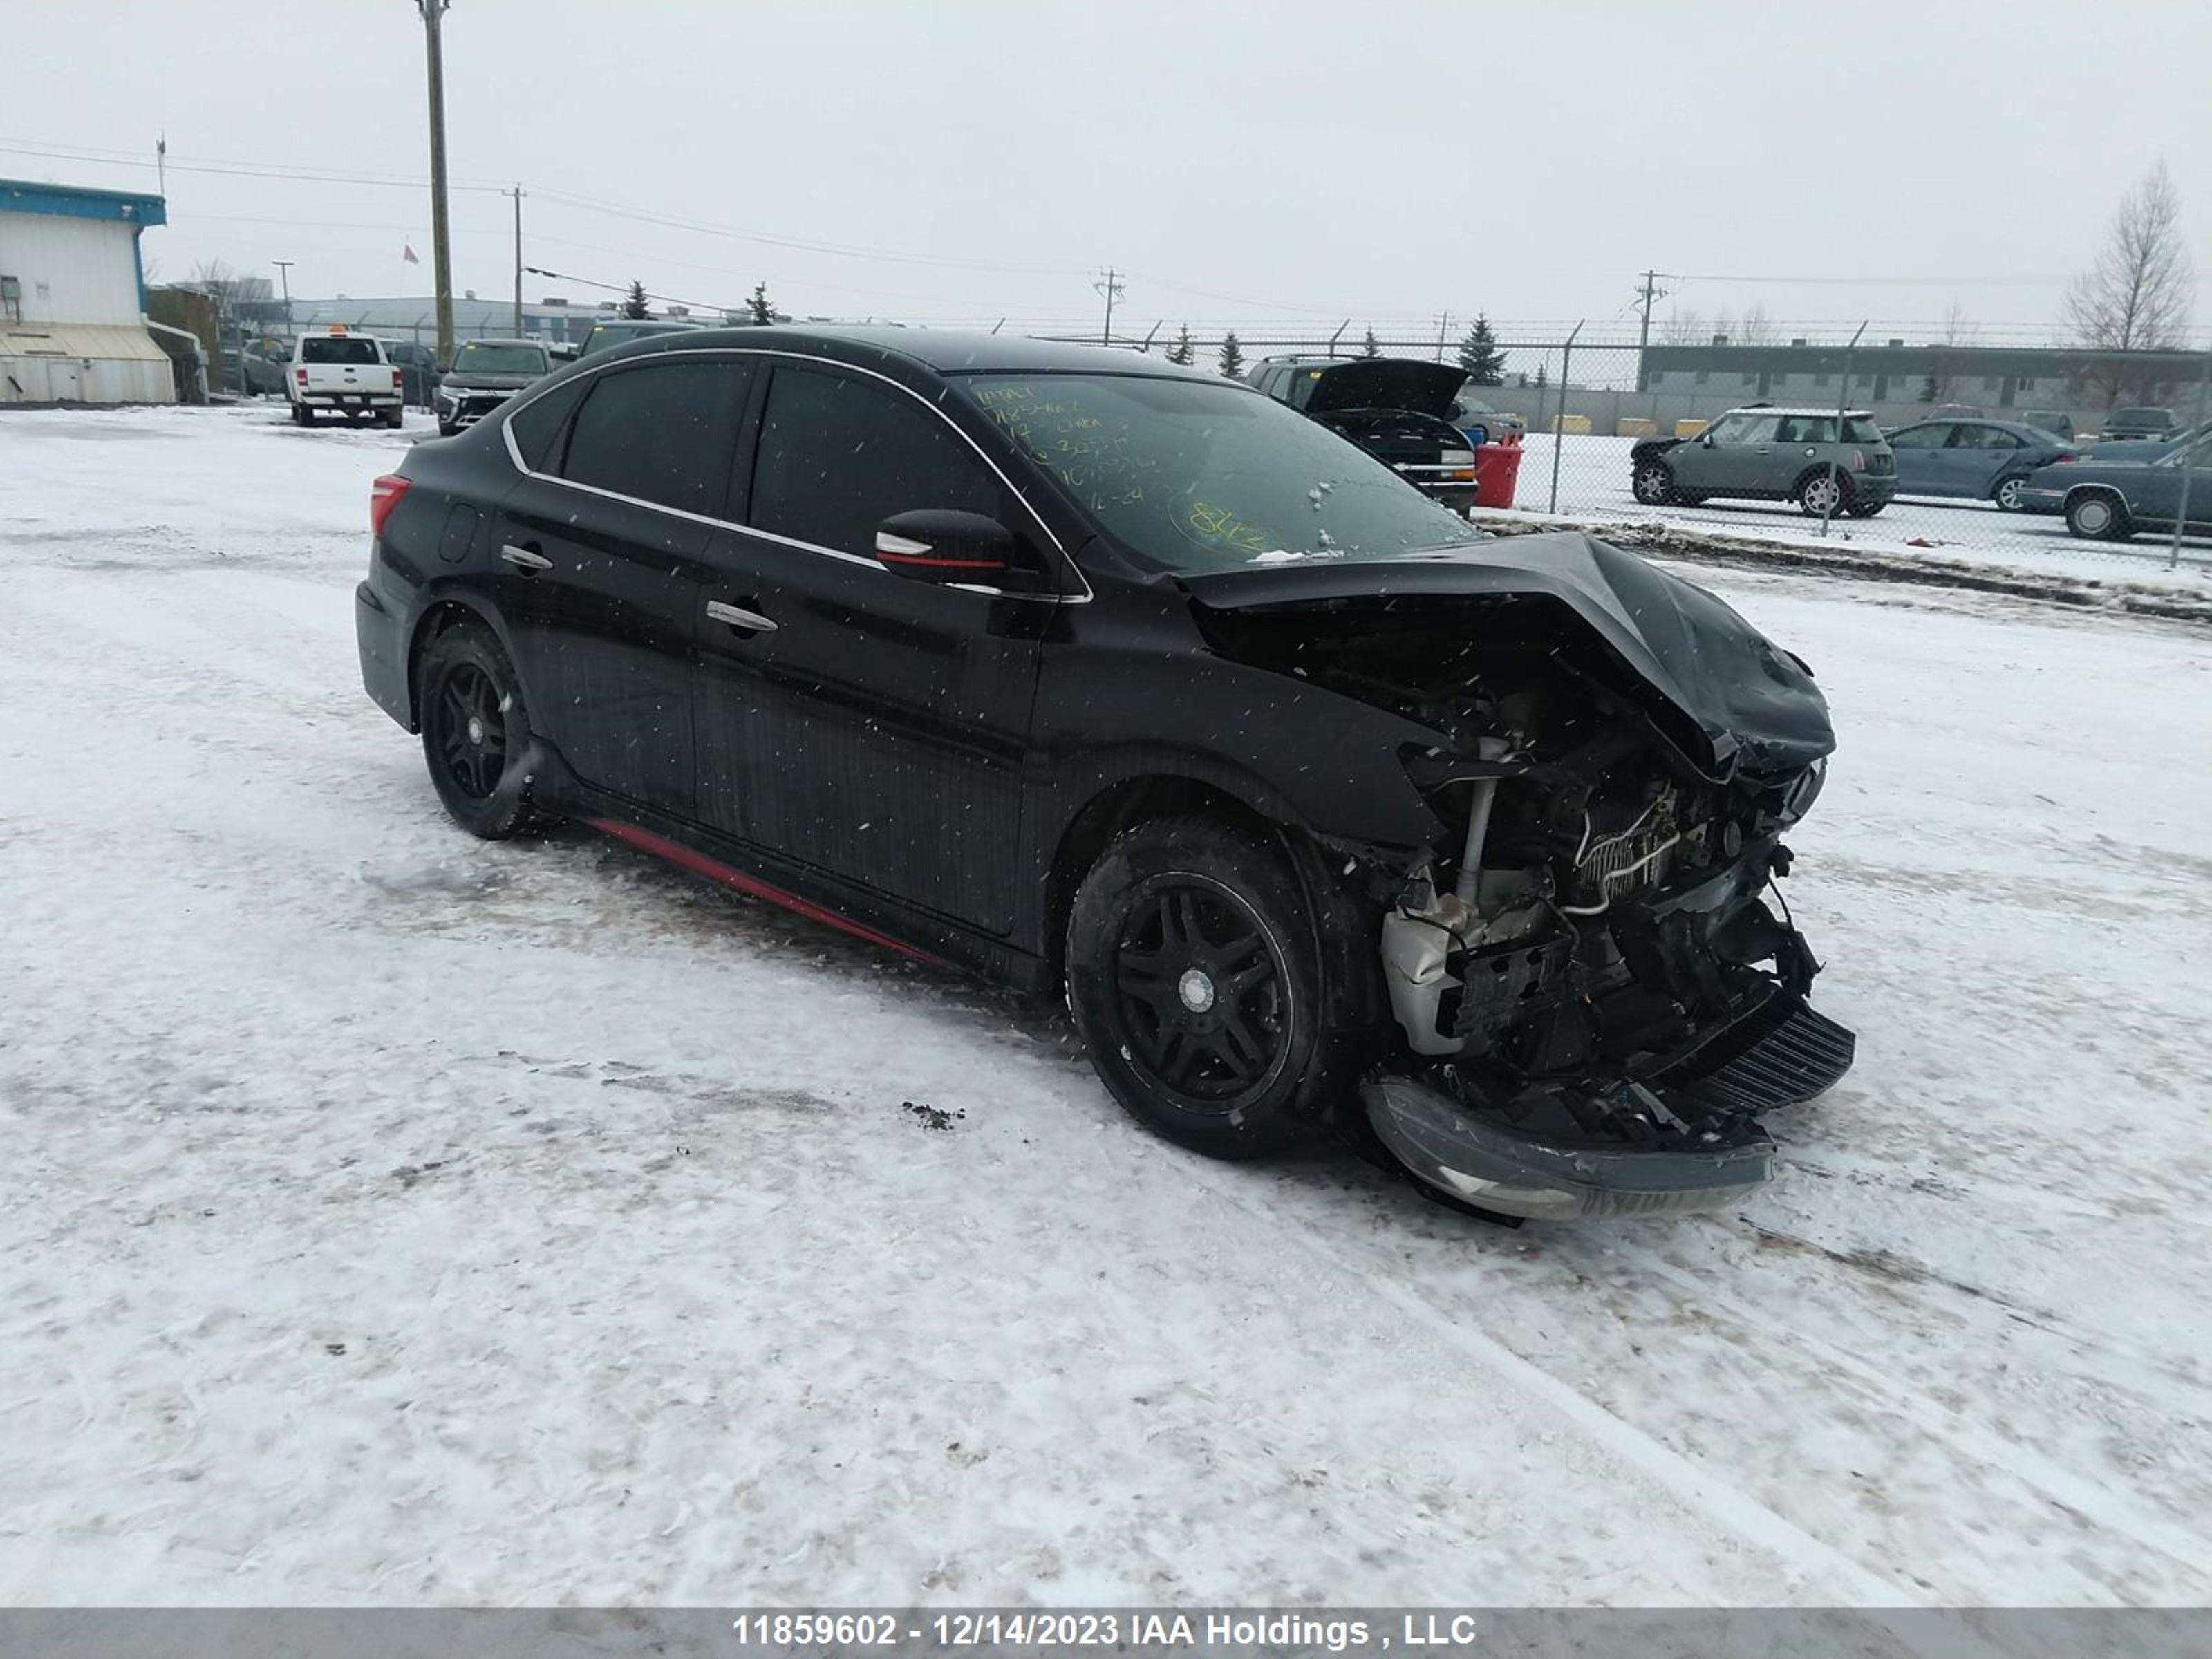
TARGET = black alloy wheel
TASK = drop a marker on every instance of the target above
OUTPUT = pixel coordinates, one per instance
(1195, 982)
(1199, 991)
(476, 731)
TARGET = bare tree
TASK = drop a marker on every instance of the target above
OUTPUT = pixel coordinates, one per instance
(1946, 369)
(2136, 297)
(1759, 328)
(1684, 328)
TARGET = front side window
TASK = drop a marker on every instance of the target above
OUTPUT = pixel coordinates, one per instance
(1932, 437)
(663, 432)
(1742, 429)
(840, 453)
(1195, 477)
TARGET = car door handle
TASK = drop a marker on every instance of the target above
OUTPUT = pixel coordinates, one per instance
(522, 558)
(738, 617)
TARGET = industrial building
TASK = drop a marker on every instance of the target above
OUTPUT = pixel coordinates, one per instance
(73, 297)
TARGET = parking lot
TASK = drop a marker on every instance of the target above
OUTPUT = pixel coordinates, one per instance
(399, 1216)
(1594, 486)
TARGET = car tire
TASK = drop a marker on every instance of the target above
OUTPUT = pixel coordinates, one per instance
(476, 732)
(1811, 493)
(1654, 483)
(302, 415)
(2008, 496)
(1195, 983)
(395, 418)
(2098, 517)
(446, 431)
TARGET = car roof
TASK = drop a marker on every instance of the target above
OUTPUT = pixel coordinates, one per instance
(1785, 409)
(942, 351)
(502, 340)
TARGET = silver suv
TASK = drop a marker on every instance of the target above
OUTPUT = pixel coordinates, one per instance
(1766, 454)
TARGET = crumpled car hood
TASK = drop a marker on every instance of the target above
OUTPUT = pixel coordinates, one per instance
(1756, 704)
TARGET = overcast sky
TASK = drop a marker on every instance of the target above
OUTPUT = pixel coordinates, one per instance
(1296, 162)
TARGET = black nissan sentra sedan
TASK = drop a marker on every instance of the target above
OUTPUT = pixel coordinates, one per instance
(1078, 670)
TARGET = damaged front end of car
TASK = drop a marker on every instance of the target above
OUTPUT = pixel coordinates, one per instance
(1597, 999)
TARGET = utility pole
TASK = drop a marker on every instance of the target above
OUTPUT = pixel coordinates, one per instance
(1651, 294)
(161, 163)
(518, 261)
(284, 273)
(1109, 285)
(441, 256)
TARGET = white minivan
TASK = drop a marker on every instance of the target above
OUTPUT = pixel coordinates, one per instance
(342, 373)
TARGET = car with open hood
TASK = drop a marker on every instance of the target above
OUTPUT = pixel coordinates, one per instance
(1397, 409)
(483, 375)
(1123, 683)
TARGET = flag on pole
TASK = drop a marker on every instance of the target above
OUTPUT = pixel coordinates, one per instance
(407, 253)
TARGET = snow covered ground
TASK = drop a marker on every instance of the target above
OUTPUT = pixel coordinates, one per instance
(1593, 489)
(395, 1218)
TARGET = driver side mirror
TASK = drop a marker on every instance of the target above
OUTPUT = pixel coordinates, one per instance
(1706, 440)
(937, 544)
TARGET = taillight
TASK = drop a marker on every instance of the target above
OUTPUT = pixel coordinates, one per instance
(301, 375)
(383, 495)
(2064, 459)
(1858, 460)
(395, 379)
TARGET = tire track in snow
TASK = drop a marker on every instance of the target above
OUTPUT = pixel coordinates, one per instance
(2096, 1503)
(1731, 1507)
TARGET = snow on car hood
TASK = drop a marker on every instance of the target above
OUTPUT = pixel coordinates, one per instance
(1755, 703)
(1386, 383)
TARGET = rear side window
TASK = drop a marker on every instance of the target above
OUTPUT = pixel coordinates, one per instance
(332, 348)
(1806, 430)
(663, 432)
(1857, 429)
(539, 422)
(839, 454)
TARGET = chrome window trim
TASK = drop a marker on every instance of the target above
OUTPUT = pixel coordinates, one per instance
(515, 404)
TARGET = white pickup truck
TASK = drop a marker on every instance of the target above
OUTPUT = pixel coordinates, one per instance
(346, 373)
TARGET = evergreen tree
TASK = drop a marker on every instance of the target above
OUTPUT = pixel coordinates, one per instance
(762, 310)
(635, 305)
(1180, 351)
(1232, 356)
(1479, 356)
(1370, 349)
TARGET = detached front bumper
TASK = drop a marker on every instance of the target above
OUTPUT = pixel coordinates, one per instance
(1704, 1149)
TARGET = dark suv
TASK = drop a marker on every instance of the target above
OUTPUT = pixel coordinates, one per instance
(1075, 669)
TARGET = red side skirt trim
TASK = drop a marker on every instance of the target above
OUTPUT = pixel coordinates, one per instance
(700, 865)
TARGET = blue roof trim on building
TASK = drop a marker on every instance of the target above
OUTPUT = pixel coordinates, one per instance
(76, 201)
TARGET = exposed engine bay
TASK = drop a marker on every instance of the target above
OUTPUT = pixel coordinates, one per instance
(1599, 986)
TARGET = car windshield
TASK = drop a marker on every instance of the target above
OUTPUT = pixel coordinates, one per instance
(2158, 418)
(487, 357)
(336, 348)
(1196, 478)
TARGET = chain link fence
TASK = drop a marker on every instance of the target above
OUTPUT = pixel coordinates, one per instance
(1932, 451)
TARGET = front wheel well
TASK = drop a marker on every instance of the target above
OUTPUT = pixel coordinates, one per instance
(1122, 806)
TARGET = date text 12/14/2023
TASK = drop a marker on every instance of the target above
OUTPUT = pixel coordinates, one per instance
(1123, 1629)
